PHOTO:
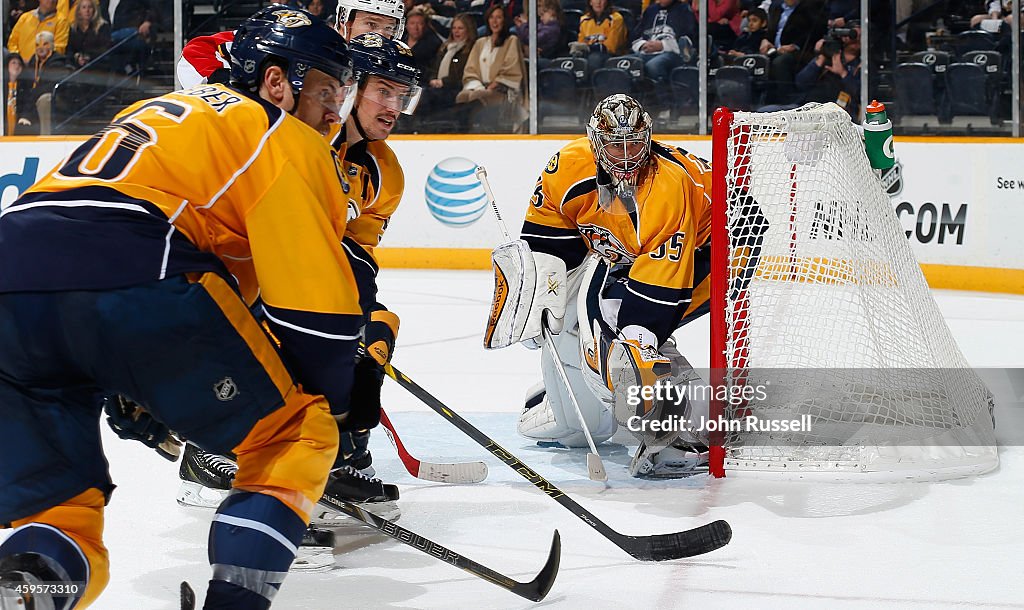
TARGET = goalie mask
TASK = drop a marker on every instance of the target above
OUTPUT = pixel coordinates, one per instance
(620, 138)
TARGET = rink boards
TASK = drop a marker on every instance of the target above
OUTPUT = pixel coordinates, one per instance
(959, 201)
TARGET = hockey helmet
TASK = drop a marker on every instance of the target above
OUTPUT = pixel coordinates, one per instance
(303, 41)
(388, 8)
(619, 131)
(391, 60)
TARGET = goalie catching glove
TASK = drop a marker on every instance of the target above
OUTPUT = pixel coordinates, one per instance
(526, 284)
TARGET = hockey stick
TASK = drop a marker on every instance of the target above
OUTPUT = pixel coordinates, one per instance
(595, 467)
(462, 472)
(658, 547)
(535, 590)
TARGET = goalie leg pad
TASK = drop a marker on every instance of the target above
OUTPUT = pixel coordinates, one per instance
(549, 415)
(652, 393)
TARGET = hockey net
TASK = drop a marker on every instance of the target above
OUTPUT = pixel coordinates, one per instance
(822, 317)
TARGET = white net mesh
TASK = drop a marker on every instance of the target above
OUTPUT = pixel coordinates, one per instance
(827, 306)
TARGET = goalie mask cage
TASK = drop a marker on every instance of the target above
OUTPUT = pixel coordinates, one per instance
(816, 293)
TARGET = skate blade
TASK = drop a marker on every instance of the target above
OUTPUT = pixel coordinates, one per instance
(194, 495)
(325, 517)
(313, 559)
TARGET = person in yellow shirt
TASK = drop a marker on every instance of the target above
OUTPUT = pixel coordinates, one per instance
(45, 18)
(122, 272)
(618, 233)
(603, 34)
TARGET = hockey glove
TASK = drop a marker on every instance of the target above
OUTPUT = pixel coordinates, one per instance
(364, 402)
(130, 421)
(379, 334)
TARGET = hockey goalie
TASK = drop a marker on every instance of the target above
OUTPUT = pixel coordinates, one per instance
(613, 257)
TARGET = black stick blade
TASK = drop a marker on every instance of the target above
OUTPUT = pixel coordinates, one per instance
(188, 597)
(537, 589)
(664, 547)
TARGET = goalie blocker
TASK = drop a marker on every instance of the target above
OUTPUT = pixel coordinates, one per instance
(607, 370)
(520, 299)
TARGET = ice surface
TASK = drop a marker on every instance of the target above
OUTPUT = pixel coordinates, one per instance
(796, 544)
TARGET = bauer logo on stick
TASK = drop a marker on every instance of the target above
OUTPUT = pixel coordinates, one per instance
(454, 194)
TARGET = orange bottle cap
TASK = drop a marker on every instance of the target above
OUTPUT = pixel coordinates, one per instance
(876, 106)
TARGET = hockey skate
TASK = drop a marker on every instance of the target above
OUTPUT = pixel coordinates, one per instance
(205, 478)
(677, 461)
(347, 484)
(22, 579)
(316, 551)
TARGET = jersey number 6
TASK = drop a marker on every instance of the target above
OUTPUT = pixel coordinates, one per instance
(109, 154)
(672, 248)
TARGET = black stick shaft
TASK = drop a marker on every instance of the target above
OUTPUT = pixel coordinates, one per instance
(688, 543)
(535, 590)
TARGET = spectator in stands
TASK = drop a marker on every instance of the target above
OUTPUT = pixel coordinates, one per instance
(794, 26)
(749, 42)
(511, 8)
(494, 70)
(602, 34)
(724, 18)
(841, 12)
(136, 22)
(991, 20)
(15, 9)
(446, 71)
(663, 40)
(834, 73)
(421, 38)
(90, 34)
(45, 18)
(44, 70)
(18, 93)
(323, 9)
(551, 38)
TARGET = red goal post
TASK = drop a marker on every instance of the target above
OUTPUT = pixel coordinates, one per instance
(816, 295)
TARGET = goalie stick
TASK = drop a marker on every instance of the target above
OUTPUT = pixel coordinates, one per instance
(534, 590)
(462, 472)
(658, 547)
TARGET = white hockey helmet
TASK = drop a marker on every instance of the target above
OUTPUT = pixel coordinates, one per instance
(387, 8)
(619, 131)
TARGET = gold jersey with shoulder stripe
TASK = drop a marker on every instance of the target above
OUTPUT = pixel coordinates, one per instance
(205, 179)
(661, 250)
(375, 166)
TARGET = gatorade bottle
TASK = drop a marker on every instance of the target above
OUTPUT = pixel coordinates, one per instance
(878, 136)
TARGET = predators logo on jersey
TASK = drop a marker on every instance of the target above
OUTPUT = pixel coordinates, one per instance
(552, 164)
(606, 245)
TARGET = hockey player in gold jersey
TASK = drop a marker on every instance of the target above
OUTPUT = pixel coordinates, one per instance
(387, 85)
(122, 272)
(618, 231)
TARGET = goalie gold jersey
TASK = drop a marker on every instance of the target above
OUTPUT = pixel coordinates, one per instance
(269, 210)
(661, 251)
